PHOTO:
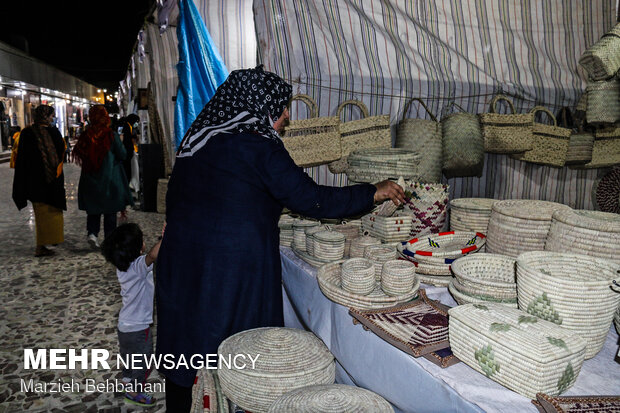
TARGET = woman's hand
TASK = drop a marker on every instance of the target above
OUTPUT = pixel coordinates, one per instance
(388, 189)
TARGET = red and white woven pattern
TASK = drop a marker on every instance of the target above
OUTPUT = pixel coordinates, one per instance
(428, 204)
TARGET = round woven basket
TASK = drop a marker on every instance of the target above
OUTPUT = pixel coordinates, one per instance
(446, 244)
(358, 245)
(397, 277)
(379, 254)
(334, 398)
(358, 276)
(570, 290)
(592, 233)
(608, 192)
(299, 231)
(286, 359)
(310, 231)
(461, 298)
(488, 274)
(329, 278)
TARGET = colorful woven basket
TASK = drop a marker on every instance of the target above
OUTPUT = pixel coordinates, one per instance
(451, 244)
(366, 132)
(506, 133)
(428, 204)
(312, 141)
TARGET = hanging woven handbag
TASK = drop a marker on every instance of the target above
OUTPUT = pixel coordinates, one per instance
(606, 148)
(506, 133)
(423, 137)
(463, 146)
(365, 133)
(603, 104)
(602, 59)
(312, 141)
(549, 144)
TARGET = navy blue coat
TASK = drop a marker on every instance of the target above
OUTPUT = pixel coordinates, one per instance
(218, 271)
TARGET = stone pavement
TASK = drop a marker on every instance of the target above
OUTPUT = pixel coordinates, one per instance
(70, 300)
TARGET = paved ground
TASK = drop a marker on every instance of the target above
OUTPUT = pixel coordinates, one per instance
(70, 300)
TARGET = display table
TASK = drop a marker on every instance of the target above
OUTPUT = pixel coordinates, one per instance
(415, 384)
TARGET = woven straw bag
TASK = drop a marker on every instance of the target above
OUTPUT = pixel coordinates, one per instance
(510, 133)
(602, 59)
(422, 136)
(313, 141)
(463, 146)
(603, 104)
(367, 132)
(606, 148)
(549, 144)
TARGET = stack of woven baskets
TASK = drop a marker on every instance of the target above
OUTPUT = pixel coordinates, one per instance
(574, 291)
(328, 245)
(378, 164)
(387, 229)
(592, 233)
(517, 226)
(285, 359)
(470, 214)
(482, 278)
(334, 398)
(310, 231)
(379, 255)
(285, 224)
(434, 254)
(358, 245)
(358, 276)
(299, 232)
(351, 230)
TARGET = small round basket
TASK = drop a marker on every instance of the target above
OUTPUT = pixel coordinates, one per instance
(286, 359)
(397, 277)
(572, 290)
(334, 398)
(486, 271)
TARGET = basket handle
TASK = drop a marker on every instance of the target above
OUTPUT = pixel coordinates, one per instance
(423, 105)
(547, 111)
(357, 103)
(497, 98)
(308, 101)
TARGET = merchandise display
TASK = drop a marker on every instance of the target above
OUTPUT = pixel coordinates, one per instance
(574, 291)
(333, 398)
(285, 359)
(524, 353)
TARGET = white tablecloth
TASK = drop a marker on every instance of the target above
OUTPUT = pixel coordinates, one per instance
(415, 384)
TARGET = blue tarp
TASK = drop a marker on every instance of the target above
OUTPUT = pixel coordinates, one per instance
(201, 68)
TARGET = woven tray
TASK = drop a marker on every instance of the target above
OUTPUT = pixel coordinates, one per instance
(417, 328)
(526, 354)
(449, 244)
(289, 359)
(332, 398)
(570, 290)
(329, 278)
(576, 404)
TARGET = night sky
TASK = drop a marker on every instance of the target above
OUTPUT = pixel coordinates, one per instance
(92, 40)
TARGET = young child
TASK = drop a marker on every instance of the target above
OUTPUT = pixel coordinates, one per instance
(124, 248)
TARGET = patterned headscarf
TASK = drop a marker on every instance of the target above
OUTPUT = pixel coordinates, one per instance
(250, 100)
(95, 142)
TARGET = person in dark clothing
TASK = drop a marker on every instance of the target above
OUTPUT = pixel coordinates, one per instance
(218, 271)
(129, 140)
(39, 178)
(103, 188)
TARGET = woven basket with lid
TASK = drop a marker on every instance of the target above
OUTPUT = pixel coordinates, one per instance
(506, 133)
(312, 141)
(571, 290)
(287, 359)
(526, 354)
(470, 214)
(334, 398)
(367, 132)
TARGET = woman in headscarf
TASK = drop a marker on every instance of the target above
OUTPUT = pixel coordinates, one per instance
(103, 188)
(39, 178)
(218, 270)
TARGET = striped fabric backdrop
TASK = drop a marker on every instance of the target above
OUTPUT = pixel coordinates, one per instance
(383, 53)
(163, 54)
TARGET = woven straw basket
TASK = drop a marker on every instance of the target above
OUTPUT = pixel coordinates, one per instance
(428, 204)
(580, 148)
(606, 148)
(608, 192)
(378, 164)
(571, 290)
(526, 354)
(463, 146)
(487, 275)
(423, 136)
(470, 214)
(549, 142)
(510, 133)
(287, 360)
(313, 141)
(603, 101)
(334, 398)
(602, 59)
(367, 132)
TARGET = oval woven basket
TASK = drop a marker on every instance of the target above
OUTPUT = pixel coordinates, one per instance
(287, 359)
(486, 270)
(571, 290)
(463, 145)
(329, 278)
(446, 244)
(334, 398)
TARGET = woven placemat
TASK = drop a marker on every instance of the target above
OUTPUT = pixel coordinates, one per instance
(576, 404)
(417, 328)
